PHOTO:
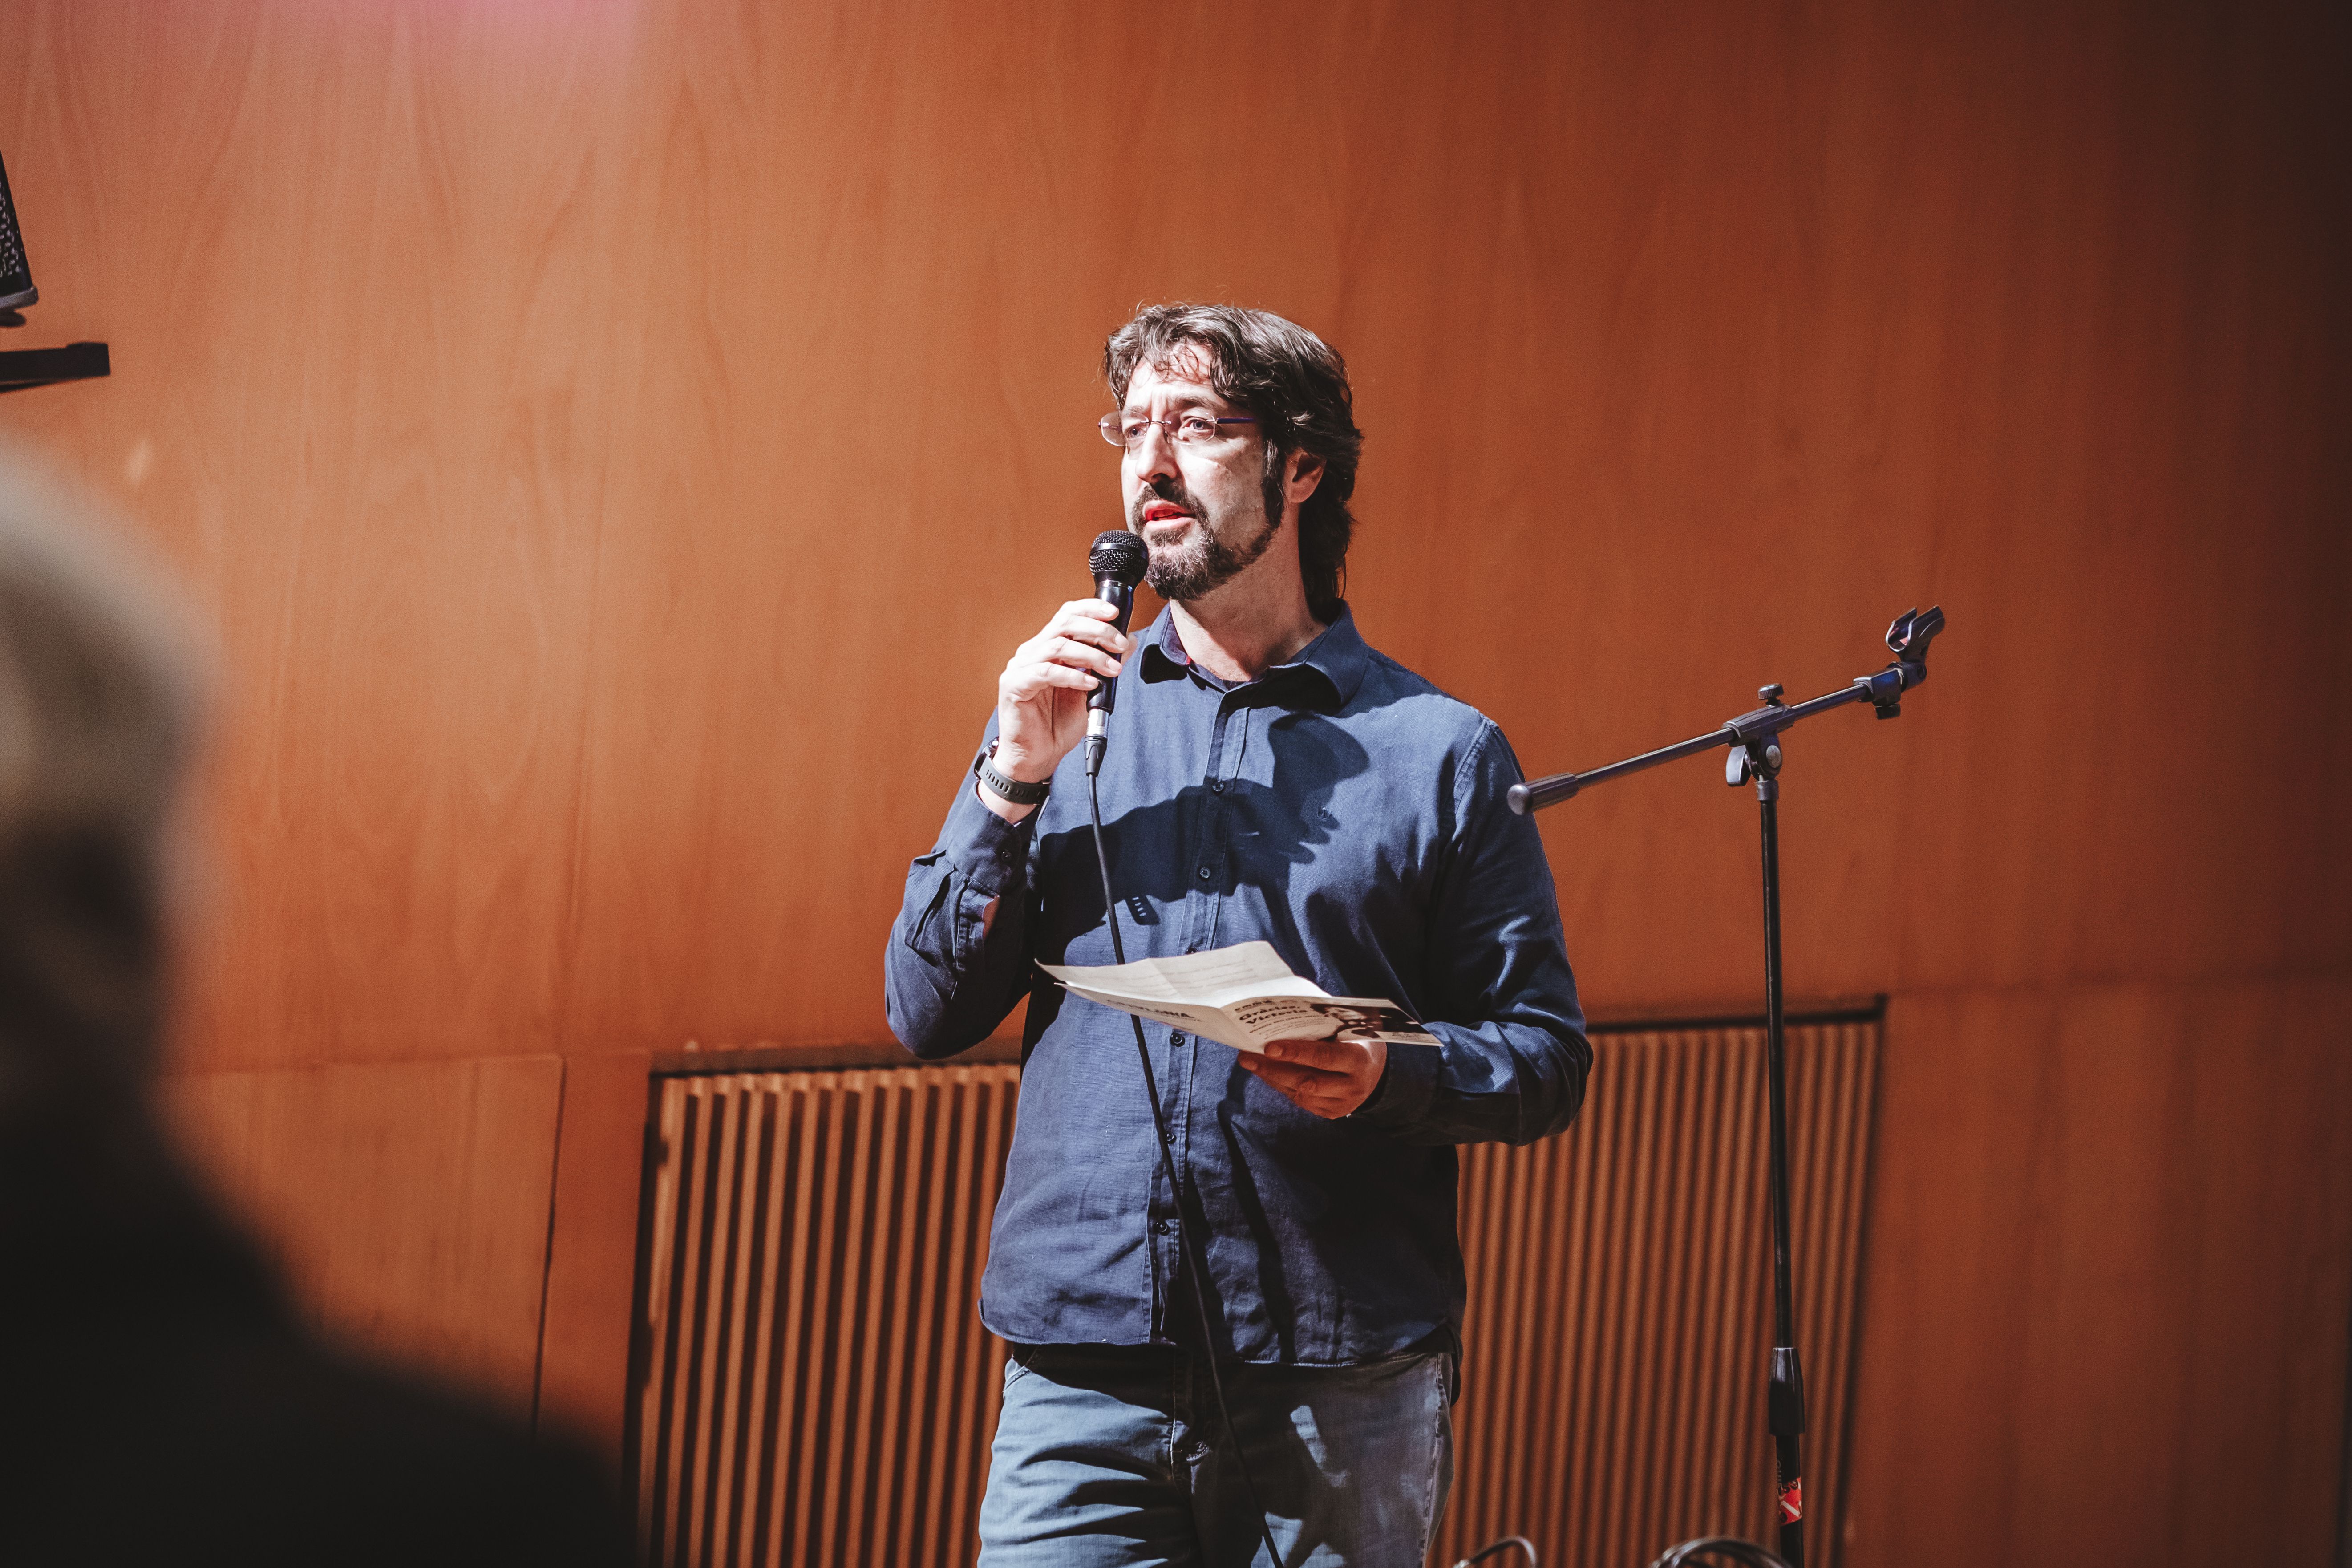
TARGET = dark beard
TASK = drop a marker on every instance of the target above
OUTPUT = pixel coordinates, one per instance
(1210, 559)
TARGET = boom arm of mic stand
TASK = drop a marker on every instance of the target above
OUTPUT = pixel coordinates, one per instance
(1758, 758)
(1908, 636)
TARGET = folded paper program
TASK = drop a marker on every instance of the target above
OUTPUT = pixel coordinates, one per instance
(1240, 996)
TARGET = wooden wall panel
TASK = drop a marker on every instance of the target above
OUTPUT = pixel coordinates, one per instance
(618, 442)
(2105, 1314)
(346, 258)
(407, 1202)
(592, 1249)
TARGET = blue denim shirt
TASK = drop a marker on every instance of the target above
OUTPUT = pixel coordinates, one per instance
(1350, 813)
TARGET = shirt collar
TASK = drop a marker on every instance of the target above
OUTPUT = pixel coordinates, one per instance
(1335, 661)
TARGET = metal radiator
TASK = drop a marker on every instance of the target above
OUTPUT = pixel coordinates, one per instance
(1621, 1304)
(812, 1385)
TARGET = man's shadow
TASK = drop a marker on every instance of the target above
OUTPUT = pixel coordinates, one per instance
(1156, 851)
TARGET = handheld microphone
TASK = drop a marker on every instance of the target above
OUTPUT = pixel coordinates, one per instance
(1117, 561)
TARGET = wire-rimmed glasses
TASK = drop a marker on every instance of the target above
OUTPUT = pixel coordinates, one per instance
(1127, 431)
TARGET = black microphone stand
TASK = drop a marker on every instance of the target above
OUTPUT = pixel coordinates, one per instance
(1754, 740)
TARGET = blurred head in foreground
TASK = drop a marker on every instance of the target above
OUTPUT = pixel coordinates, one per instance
(163, 1403)
(97, 703)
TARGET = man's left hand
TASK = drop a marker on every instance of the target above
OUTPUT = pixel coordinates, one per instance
(1323, 1078)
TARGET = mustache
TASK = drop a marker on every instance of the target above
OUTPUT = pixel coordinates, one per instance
(1161, 488)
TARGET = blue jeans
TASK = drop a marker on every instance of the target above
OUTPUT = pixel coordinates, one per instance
(1113, 1456)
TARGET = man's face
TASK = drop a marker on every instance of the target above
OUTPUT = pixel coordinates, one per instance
(1200, 506)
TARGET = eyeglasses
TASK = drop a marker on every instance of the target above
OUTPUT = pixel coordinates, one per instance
(1127, 430)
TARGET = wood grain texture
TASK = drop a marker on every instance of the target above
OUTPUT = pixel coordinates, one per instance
(343, 253)
(619, 442)
(592, 1250)
(2107, 1305)
(407, 1202)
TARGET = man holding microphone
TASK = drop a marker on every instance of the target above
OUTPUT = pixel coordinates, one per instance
(1268, 777)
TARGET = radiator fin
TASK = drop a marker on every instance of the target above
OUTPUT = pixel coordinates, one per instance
(813, 1384)
(1620, 1306)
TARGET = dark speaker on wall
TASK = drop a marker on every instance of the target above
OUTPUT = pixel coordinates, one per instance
(15, 277)
(21, 368)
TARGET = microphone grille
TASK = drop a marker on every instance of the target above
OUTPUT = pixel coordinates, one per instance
(1118, 554)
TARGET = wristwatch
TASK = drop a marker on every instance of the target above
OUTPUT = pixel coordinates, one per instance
(1014, 790)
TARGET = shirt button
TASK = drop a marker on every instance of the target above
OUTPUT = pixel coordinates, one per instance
(1177, 1038)
(1163, 1226)
(1216, 786)
(1203, 873)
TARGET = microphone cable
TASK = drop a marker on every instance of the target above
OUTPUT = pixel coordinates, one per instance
(1195, 1262)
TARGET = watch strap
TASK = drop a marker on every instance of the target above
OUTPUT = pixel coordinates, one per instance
(1014, 790)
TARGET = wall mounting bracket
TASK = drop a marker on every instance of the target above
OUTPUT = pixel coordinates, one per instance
(20, 368)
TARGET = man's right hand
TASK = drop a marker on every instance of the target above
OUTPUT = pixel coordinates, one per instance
(1040, 698)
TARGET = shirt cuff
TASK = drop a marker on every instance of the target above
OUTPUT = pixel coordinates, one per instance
(990, 853)
(1407, 1084)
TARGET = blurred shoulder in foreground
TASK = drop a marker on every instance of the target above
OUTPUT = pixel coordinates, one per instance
(162, 1405)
